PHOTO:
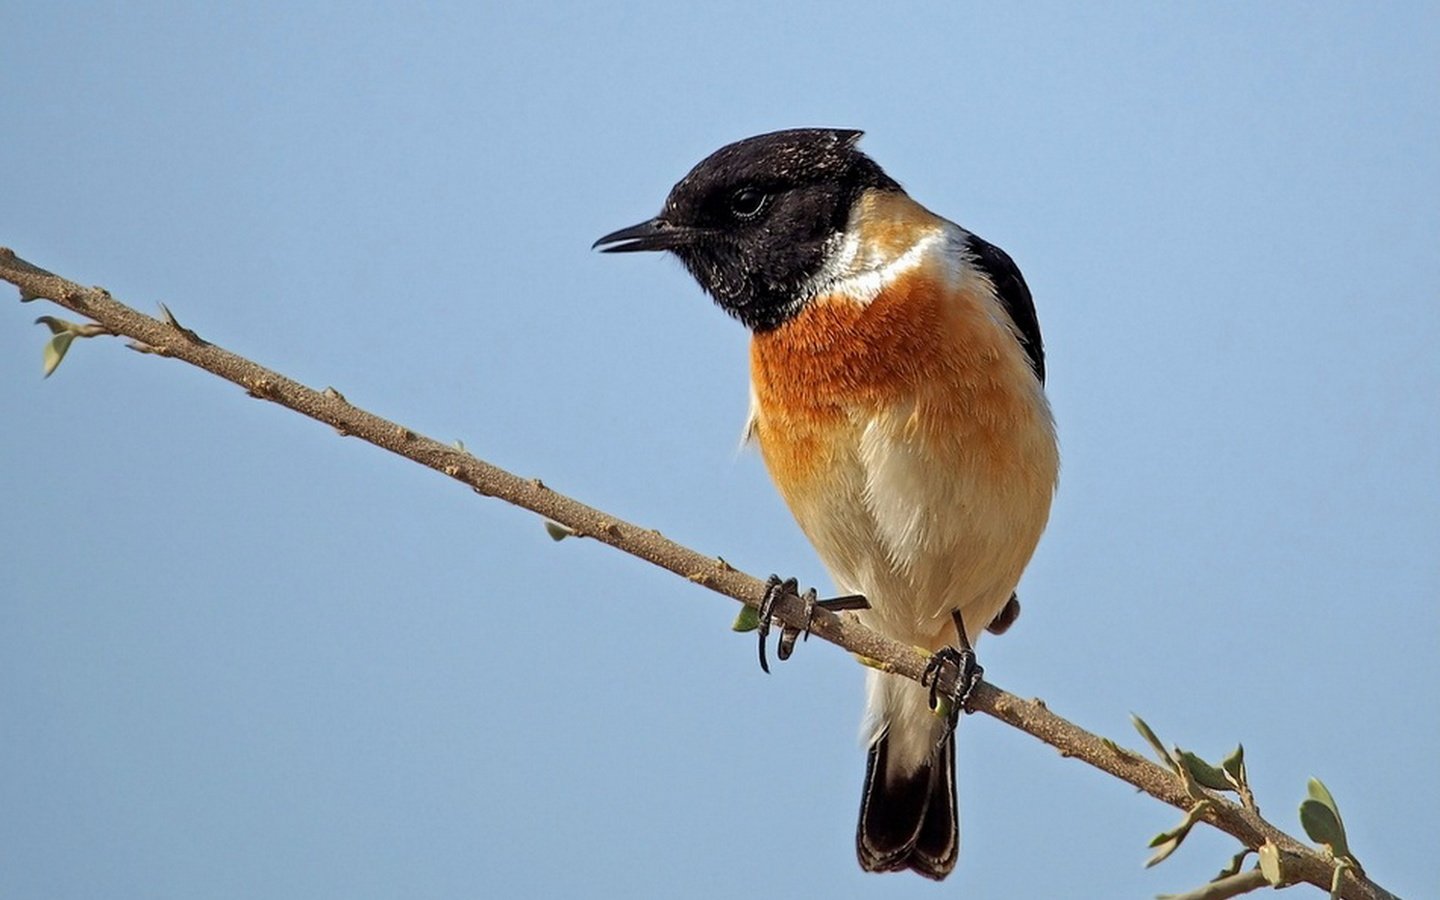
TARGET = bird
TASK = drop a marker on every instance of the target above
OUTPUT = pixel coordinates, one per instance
(897, 395)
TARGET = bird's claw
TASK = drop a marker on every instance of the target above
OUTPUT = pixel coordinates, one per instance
(968, 672)
(775, 588)
(786, 645)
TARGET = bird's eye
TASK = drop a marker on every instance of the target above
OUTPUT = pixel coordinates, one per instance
(747, 202)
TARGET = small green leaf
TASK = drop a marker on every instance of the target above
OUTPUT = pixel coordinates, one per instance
(58, 325)
(1235, 764)
(1241, 782)
(1167, 847)
(1206, 774)
(1169, 841)
(557, 531)
(1320, 817)
(55, 324)
(871, 662)
(943, 707)
(55, 350)
(1162, 837)
(1320, 823)
(748, 620)
(1154, 741)
(1270, 864)
(1317, 790)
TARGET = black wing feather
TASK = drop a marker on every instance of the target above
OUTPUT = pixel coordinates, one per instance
(1014, 295)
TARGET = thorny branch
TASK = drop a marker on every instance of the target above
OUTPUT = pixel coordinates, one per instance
(168, 338)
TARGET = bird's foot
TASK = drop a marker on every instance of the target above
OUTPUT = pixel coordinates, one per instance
(786, 644)
(968, 673)
(775, 588)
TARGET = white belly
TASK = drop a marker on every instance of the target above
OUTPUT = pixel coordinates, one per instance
(924, 526)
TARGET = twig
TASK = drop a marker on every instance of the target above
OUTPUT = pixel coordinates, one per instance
(168, 338)
(1225, 888)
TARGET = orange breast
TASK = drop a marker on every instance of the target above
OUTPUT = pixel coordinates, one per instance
(921, 347)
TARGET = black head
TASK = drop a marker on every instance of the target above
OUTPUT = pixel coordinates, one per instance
(752, 221)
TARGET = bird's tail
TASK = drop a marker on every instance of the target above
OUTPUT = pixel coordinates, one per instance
(909, 818)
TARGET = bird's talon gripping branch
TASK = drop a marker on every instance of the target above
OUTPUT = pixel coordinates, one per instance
(845, 603)
(786, 645)
(968, 671)
(775, 588)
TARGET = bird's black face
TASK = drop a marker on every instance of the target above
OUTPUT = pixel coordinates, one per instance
(752, 222)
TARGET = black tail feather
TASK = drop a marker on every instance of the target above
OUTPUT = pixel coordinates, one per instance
(909, 821)
(938, 843)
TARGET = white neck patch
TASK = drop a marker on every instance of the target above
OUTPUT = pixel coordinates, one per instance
(860, 274)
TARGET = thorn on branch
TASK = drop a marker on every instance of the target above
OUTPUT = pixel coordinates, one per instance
(332, 394)
(174, 323)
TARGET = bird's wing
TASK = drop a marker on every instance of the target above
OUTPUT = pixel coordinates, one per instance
(1014, 295)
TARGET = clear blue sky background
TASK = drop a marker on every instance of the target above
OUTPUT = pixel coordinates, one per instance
(243, 657)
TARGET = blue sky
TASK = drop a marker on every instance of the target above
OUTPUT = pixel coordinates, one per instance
(240, 656)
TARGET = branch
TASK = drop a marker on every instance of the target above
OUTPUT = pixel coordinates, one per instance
(168, 338)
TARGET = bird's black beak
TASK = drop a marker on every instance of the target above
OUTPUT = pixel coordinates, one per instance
(656, 234)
